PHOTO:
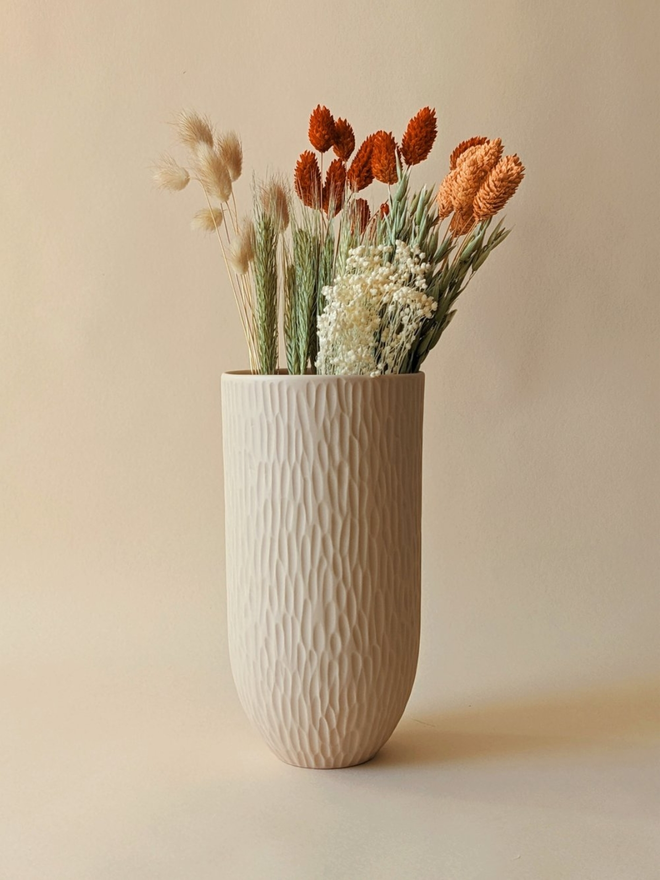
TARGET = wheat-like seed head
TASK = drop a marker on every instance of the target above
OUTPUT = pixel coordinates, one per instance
(275, 202)
(207, 220)
(168, 174)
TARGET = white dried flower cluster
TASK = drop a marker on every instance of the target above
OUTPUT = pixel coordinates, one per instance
(374, 311)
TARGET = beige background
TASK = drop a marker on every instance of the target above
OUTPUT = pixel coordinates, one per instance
(528, 750)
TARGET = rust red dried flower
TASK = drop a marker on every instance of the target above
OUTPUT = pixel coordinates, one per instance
(321, 129)
(307, 180)
(344, 140)
(360, 214)
(334, 188)
(384, 210)
(383, 157)
(419, 136)
(360, 174)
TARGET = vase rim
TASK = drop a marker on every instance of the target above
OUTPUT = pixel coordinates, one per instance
(282, 375)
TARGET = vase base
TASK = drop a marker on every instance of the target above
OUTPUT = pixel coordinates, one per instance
(338, 766)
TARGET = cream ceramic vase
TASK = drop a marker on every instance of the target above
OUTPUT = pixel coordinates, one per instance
(323, 478)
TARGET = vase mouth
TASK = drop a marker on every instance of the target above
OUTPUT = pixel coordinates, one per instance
(283, 375)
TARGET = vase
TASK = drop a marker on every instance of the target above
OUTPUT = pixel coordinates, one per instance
(323, 478)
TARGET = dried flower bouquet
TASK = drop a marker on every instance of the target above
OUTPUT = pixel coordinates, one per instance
(352, 291)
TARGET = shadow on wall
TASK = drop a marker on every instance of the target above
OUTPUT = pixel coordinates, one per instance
(588, 720)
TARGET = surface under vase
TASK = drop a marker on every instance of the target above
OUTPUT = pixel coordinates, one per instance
(323, 556)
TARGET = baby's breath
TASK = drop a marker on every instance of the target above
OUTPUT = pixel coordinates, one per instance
(374, 311)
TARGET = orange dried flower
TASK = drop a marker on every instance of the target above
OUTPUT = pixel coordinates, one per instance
(463, 146)
(321, 129)
(472, 168)
(307, 180)
(384, 210)
(334, 188)
(499, 186)
(344, 143)
(360, 174)
(383, 157)
(419, 136)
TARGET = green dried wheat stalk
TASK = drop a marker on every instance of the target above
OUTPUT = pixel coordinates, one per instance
(265, 288)
(308, 268)
(300, 298)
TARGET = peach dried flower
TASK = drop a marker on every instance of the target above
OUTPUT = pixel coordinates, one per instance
(472, 168)
(445, 197)
(463, 146)
(499, 186)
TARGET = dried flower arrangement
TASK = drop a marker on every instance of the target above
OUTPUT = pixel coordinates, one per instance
(353, 291)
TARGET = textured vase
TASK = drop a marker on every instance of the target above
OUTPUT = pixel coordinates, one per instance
(323, 545)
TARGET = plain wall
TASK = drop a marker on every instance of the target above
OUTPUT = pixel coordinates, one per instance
(542, 414)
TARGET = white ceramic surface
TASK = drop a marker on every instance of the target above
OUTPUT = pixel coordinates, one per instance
(323, 529)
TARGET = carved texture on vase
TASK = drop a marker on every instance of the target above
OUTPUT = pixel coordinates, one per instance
(323, 516)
